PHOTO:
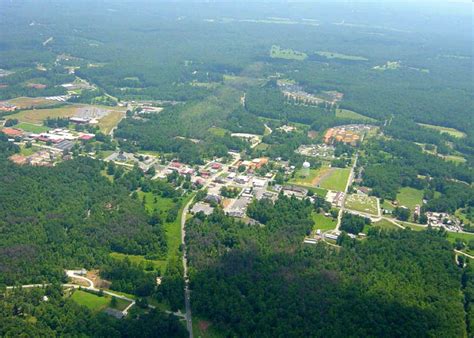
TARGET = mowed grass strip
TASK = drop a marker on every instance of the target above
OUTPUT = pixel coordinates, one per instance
(109, 122)
(336, 180)
(450, 131)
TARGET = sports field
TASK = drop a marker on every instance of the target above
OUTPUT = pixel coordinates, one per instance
(336, 179)
(37, 116)
(362, 203)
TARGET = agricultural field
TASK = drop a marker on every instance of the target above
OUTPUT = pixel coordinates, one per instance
(32, 128)
(450, 131)
(276, 52)
(349, 114)
(323, 222)
(366, 204)
(333, 55)
(410, 197)
(335, 179)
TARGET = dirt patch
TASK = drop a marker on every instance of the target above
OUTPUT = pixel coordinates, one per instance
(322, 175)
(203, 325)
(100, 283)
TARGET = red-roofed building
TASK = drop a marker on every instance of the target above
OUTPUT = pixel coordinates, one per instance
(216, 166)
(12, 132)
(176, 165)
(86, 137)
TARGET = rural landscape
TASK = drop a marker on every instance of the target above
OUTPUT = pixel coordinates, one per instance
(232, 169)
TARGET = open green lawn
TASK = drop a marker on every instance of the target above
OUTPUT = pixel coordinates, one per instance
(28, 151)
(387, 205)
(336, 180)
(322, 222)
(91, 301)
(307, 180)
(288, 54)
(217, 131)
(452, 236)
(450, 131)
(32, 128)
(384, 224)
(410, 197)
(333, 55)
(349, 114)
(138, 259)
(96, 303)
(367, 204)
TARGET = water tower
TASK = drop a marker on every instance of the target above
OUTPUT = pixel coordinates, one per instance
(306, 166)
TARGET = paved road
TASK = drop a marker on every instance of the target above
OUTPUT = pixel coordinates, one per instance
(348, 184)
(187, 292)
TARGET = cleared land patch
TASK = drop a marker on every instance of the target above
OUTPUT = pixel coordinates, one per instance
(323, 222)
(336, 180)
(276, 52)
(349, 114)
(97, 303)
(312, 179)
(410, 197)
(110, 121)
(32, 102)
(450, 131)
(362, 203)
(340, 56)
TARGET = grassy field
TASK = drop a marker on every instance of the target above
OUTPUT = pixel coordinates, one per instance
(410, 197)
(333, 55)
(450, 131)
(137, 259)
(32, 128)
(322, 222)
(384, 224)
(367, 204)
(454, 158)
(107, 123)
(452, 236)
(349, 114)
(96, 303)
(28, 151)
(91, 301)
(217, 131)
(276, 52)
(336, 180)
(37, 116)
(309, 180)
(35, 102)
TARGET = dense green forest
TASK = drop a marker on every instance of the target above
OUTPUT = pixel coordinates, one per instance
(26, 313)
(69, 216)
(252, 280)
